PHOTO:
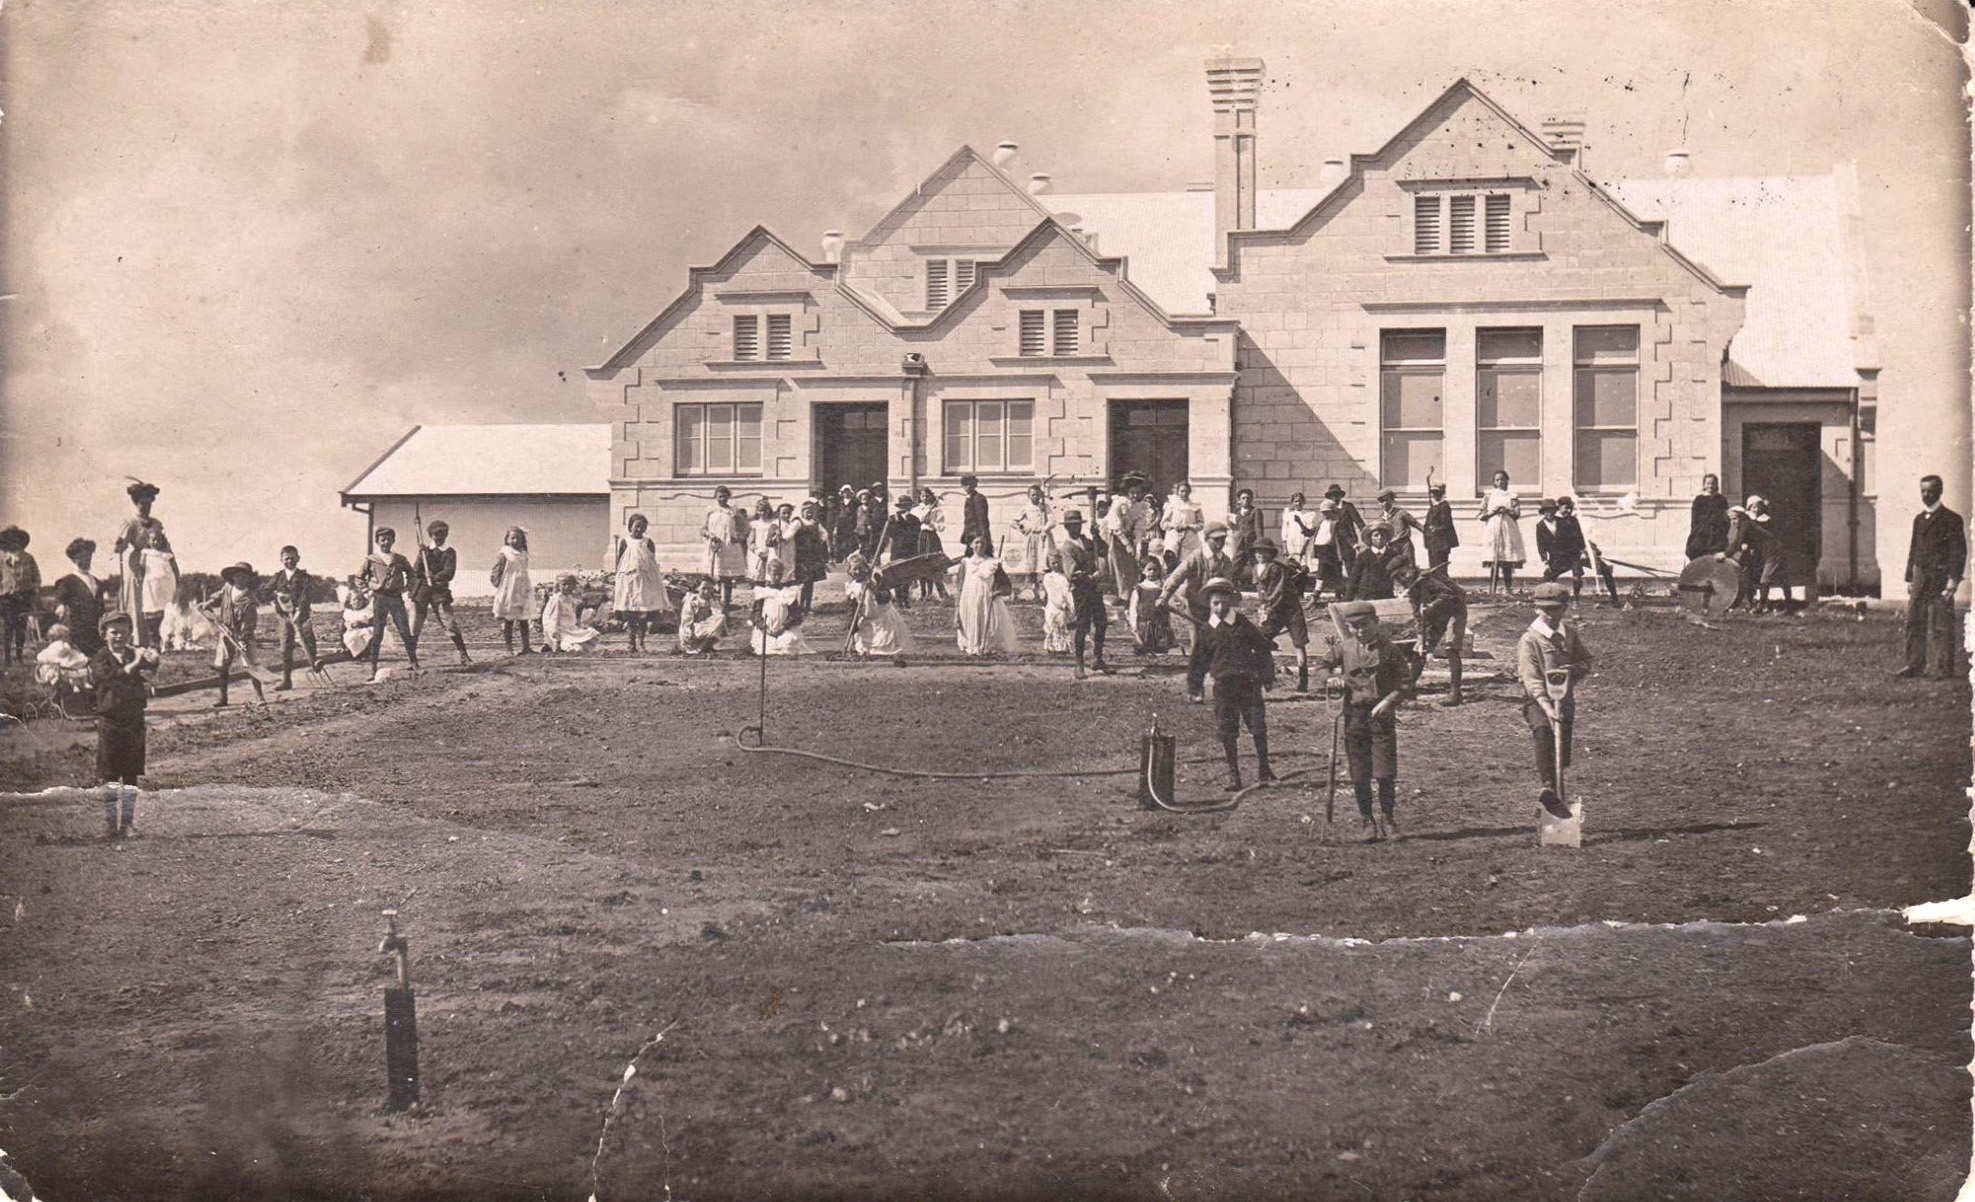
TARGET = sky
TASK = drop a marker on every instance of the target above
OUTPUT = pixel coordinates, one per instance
(248, 244)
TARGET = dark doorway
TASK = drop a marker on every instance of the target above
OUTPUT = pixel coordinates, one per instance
(1149, 437)
(1783, 464)
(851, 445)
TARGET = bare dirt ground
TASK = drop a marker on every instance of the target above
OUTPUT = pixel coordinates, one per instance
(880, 987)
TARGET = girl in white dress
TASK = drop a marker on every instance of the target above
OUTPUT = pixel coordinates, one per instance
(981, 619)
(637, 592)
(1182, 519)
(562, 619)
(158, 587)
(725, 532)
(778, 625)
(1058, 609)
(514, 593)
(1299, 529)
(1502, 544)
(878, 630)
(1032, 526)
(764, 540)
(701, 620)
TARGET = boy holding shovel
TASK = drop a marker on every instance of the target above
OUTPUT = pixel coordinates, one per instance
(1551, 645)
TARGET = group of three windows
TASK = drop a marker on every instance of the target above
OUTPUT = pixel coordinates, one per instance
(1508, 395)
(724, 438)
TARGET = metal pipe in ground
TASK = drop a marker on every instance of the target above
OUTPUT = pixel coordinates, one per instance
(400, 1022)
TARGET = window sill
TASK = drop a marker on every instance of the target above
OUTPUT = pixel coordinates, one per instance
(1018, 360)
(1510, 256)
(769, 364)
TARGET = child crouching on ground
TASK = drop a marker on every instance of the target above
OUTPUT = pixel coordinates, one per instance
(876, 628)
(1241, 659)
(562, 619)
(778, 616)
(702, 620)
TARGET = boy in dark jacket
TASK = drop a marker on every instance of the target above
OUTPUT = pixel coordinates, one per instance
(1279, 588)
(1560, 543)
(119, 672)
(1241, 659)
(1377, 675)
(288, 591)
(432, 587)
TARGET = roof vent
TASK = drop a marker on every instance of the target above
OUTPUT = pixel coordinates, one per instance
(1678, 161)
(1333, 170)
(832, 246)
(1004, 154)
(1038, 183)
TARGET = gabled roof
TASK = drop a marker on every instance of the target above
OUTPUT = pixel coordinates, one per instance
(1463, 89)
(486, 460)
(695, 276)
(966, 154)
(1168, 237)
(1789, 235)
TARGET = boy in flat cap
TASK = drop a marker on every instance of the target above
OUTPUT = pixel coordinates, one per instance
(1211, 561)
(1279, 590)
(1075, 557)
(1377, 676)
(1437, 531)
(119, 673)
(1550, 644)
(1241, 659)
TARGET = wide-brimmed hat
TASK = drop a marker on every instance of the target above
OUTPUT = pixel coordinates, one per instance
(1378, 528)
(1072, 517)
(13, 538)
(79, 545)
(1386, 494)
(140, 491)
(243, 572)
(1552, 593)
(1220, 584)
(1265, 545)
(1335, 492)
(1351, 610)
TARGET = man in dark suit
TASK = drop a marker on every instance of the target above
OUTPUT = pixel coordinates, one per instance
(1934, 563)
(974, 516)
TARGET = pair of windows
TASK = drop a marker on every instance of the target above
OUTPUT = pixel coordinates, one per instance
(946, 279)
(980, 436)
(1446, 223)
(1509, 405)
(748, 336)
(1050, 332)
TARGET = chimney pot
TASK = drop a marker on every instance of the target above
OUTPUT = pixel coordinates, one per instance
(1678, 161)
(1333, 170)
(1038, 183)
(832, 246)
(1004, 154)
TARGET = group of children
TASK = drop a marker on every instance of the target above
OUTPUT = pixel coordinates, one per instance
(1378, 674)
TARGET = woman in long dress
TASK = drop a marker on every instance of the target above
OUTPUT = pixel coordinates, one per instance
(1707, 531)
(980, 617)
(514, 593)
(132, 538)
(637, 593)
(1501, 512)
(932, 528)
(1299, 529)
(1182, 519)
(1032, 527)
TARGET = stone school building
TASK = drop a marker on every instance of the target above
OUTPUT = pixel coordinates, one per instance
(1465, 298)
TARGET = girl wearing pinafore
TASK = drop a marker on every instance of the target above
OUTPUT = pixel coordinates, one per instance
(637, 592)
(1502, 512)
(514, 593)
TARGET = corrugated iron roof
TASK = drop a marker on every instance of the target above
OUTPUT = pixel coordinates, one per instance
(1788, 238)
(565, 460)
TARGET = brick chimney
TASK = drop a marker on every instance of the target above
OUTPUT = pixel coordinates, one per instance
(1236, 87)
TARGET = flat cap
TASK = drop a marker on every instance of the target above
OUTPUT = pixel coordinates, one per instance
(1220, 584)
(1552, 593)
